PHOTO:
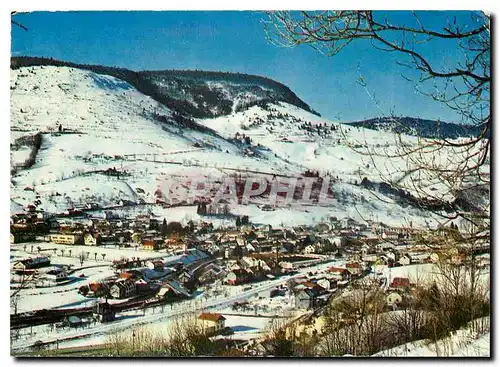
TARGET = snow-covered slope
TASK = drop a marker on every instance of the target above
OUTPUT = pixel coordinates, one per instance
(462, 343)
(109, 127)
(195, 93)
(107, 124)
(306, 139)
(351, 154)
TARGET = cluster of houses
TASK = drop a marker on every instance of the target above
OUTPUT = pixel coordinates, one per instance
(313, 290)
(246, 240)
(343, 237)
(248, 269)
(143, 231)
(24, 226)
(151, 233)
(231, 256)
(41, 268)
(169, 277)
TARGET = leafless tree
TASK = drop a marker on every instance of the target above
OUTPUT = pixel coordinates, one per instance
(407, 322)
(81, 257)
(463, 295)
(281, 338)
(14, 301)
(12, 14)
(184, 337)
(25, 281)
(460, 167)
(361, 310)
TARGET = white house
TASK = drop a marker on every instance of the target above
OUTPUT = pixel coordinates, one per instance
(249, 262)
(419, 258)
(404, 260)
(309, 249)
(390, 255)
(122, 289)
(393, 298)
(56, 274)
(379, 269)
(211, 322)
(337, 241)
(365, 248)
(157, 265)
(483, 260)
(234, 266)
(91, 240)
(354, 268)
(369, 258)
(286, 266)
(324, 283)
(434, 257)
(338, 273)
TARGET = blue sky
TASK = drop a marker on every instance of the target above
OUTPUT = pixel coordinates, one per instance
(234, 41)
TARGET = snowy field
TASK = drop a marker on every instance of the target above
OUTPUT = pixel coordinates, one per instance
(463, 343)
(426, 273)
(94, 269)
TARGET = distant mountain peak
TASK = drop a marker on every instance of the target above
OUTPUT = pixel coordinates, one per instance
(419, 127)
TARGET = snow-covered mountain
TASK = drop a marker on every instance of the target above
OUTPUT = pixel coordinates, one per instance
(107, 124)
(119, 144)
(420, 127)
(192, 93)
(342, 151)
(209, 94)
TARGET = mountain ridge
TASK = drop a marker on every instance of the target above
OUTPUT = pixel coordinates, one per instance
(424, 128)
(202, 96)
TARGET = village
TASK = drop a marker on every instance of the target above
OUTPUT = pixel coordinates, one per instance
(103, 270)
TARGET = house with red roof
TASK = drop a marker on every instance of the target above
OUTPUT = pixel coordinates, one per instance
(354, 269)
(339, 273)
(400, 283)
